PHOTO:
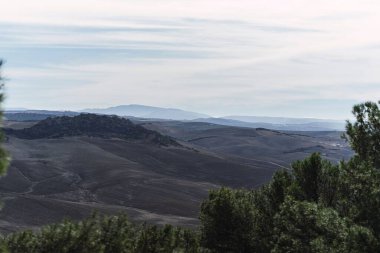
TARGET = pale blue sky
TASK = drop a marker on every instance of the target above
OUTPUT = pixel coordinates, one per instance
(275, 58)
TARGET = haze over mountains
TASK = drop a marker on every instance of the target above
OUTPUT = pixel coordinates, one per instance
(143, 111)
(150, 112)
(279, 120)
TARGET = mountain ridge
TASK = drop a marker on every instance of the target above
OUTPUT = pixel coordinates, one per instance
(278, 120)
(145, 111)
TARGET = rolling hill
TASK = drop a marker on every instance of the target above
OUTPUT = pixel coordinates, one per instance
(55, 175)
(281, 147)
(70, 166)
(91, 125)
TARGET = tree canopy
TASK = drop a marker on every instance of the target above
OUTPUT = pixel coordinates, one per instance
(364, 133)
(316, 207)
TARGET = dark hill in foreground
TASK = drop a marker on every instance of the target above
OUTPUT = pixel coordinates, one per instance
(91, 125)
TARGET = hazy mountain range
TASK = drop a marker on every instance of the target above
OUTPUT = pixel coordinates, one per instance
(143, 111)
(159, 113)
(303, 125)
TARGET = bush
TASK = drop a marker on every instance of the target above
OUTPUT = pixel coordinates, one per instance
(103, 234)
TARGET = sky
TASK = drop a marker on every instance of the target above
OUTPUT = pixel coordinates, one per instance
(285, 58)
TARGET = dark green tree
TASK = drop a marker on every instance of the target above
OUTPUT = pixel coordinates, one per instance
(4, 158)
(228, 221)
(364, 134)
(104, 234)
(306, 227)
(358, 194)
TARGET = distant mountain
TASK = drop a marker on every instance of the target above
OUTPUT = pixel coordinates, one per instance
(55, 113)
(16, 109)
(283, 120)
(25, 116)
(283, 124)
(34, 115)
(143, 111)
(91, 125)
(230, 122)
(150, 112)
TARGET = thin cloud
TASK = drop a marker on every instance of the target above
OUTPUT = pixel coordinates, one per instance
(232, 57)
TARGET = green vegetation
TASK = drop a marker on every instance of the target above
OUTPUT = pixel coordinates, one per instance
(319, 207)
(315, 206)
(99, 234)
(92, 125)
(4, 158)
(364, 134)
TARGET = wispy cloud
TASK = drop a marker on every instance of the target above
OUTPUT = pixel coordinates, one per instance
(219, 57)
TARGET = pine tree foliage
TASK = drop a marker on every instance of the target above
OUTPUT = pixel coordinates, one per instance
(104, 234)
(364, 133)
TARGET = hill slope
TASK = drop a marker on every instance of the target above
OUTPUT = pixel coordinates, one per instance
(260, 144)
(90, 125)
(52, 178)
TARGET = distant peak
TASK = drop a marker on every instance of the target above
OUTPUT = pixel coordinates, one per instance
(145, 111)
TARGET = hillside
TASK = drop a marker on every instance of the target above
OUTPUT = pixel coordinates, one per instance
(90, 125)
(51, 178)
(279, 147)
